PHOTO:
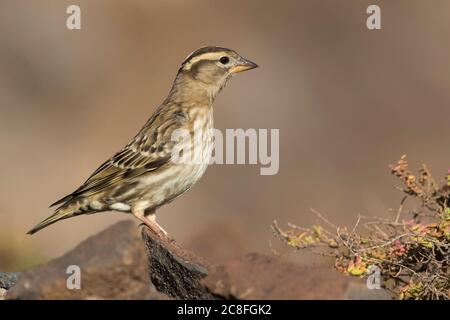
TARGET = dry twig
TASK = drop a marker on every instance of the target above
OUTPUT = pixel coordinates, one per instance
(412, 248)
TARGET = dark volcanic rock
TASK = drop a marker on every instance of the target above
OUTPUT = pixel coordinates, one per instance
(182, 275)
(8, 279)
(113, 265)
(257, 276)
(175, 271)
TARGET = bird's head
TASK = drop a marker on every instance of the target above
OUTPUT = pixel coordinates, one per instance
(212, 66)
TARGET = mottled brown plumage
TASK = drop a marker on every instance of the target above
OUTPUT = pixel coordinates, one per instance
(144, 174)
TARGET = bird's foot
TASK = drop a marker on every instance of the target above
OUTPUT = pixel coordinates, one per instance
(150, 222)
(157, 230)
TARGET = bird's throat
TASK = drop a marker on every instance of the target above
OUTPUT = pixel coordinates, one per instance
(186, 89)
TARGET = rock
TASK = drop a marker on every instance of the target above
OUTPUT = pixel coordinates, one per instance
(257, 276)
(359, 291)
(173, 270)
(113, 265)
(8, 279)
(2, 294)
(117, 264)
(182, 275)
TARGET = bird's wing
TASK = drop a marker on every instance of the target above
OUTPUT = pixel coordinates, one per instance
(148, 151)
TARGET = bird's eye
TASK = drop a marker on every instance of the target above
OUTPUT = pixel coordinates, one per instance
(224, 60)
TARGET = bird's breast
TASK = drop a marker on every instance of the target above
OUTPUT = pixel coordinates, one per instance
(202, 142)
(177, 177)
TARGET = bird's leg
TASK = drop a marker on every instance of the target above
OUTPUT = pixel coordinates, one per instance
(152, 218)
(149, 220)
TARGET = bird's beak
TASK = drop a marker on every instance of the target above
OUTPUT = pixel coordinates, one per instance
(243, 65)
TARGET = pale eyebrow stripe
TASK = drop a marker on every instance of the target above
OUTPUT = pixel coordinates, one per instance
(204, 56)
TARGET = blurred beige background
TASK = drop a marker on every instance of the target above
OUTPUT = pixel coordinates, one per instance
(348, 102)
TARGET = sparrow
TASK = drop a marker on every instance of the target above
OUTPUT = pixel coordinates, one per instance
(148, 173)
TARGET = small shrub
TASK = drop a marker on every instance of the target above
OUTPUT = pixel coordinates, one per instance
(411, 249)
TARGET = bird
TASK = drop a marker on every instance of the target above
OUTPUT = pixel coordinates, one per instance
(148, 172)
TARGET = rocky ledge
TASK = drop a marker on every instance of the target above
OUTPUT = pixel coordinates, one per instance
(123, 263)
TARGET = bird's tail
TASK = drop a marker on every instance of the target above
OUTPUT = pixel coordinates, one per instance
(60, 214)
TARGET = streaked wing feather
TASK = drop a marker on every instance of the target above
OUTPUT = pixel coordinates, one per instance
(128, 167)
(148, 151)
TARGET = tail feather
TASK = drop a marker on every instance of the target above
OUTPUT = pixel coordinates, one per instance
(62, 200)
(58, 215)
